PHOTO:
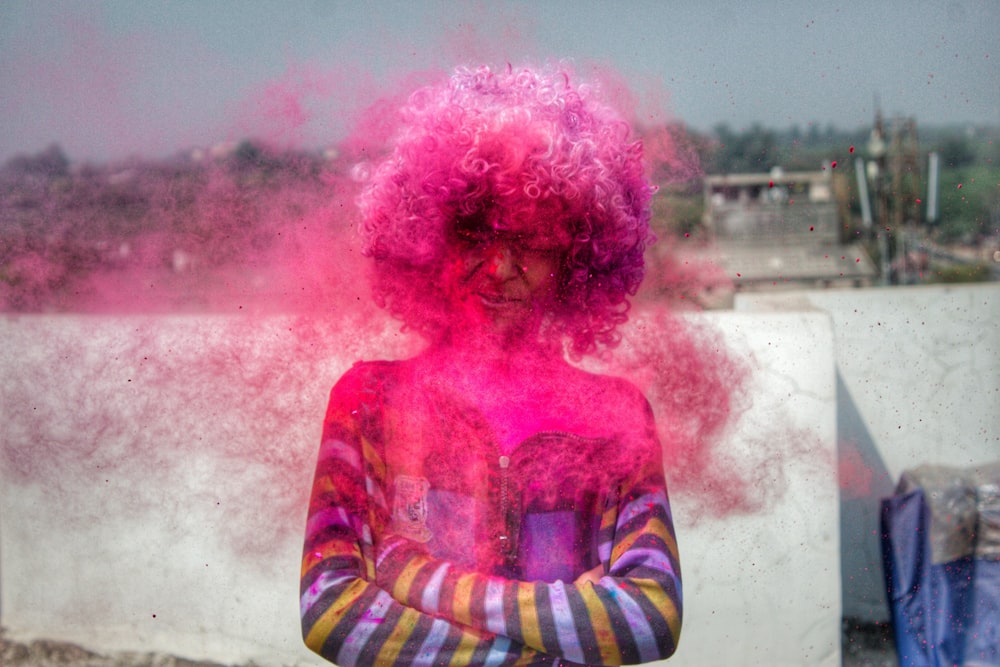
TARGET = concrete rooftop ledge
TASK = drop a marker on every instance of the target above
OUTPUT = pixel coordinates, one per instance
(155, 471)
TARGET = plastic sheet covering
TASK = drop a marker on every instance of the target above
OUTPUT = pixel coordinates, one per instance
(941, 550)
(987, 482)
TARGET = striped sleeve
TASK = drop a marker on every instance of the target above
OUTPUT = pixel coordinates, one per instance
(632, 615)
(346, 617)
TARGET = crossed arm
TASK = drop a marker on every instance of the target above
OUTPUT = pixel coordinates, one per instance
(632, 614)
(346, 617)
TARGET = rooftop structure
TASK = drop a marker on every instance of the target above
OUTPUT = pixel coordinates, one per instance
(781, 230)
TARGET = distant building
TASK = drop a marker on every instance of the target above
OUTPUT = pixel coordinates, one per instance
(780, 230)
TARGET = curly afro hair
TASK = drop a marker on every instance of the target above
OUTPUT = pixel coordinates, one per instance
(520, 139)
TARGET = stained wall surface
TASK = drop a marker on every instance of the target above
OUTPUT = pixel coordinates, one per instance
(918, 382)
(155, 472)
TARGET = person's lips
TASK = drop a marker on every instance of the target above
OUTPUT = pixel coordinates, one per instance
(497, 299)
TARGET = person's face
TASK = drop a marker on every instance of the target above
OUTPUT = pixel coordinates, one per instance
(502, 276)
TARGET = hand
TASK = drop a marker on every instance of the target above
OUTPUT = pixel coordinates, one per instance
(593, 575)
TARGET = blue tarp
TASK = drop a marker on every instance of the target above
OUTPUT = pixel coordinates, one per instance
(941, 558)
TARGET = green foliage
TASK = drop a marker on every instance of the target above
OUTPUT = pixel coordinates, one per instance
(966, 273)
(758, 149)
(751, 150)
(678, 211)
(956, 152)
(962, 146)
(969, 204)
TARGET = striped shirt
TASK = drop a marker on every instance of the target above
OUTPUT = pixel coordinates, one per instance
(426, 546)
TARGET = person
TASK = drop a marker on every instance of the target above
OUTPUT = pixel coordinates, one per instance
(487, 502)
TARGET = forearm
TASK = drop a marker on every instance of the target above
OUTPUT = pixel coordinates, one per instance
(362, 625)
(352, 622)
(632, 614)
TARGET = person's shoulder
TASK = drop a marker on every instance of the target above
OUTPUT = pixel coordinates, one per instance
(614, 405)
(612, 398)
(365, 376)
(611, 386)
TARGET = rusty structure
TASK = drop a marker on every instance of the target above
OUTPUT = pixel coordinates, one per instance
(894, 176)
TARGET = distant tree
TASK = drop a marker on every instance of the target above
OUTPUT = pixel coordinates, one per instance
(969, 207)
(812, 137)
(49, 163)
(752, 150)
(677, 211)
(248, 154)
(956, 152)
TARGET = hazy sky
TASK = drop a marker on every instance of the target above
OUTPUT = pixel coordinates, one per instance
(110, 79)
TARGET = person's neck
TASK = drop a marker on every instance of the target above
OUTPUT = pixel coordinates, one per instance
(493, 355)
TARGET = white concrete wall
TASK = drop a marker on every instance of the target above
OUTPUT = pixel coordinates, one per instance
(763, 588)
(154, 476)
(918, 382)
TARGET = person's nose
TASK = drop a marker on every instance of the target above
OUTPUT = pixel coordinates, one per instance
(501, 261)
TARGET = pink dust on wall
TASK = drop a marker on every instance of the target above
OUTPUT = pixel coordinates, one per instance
(263, 227)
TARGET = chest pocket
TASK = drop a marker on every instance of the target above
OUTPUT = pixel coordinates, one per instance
(563, 484)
